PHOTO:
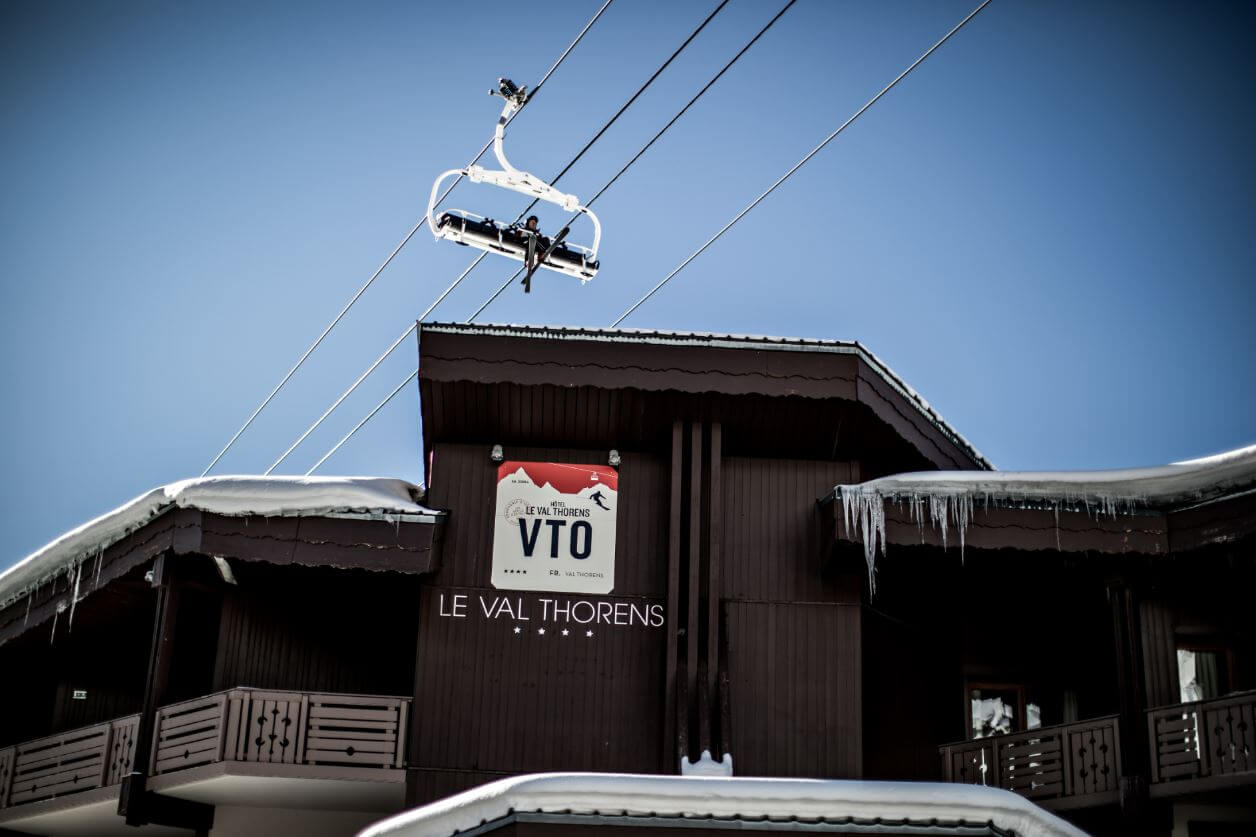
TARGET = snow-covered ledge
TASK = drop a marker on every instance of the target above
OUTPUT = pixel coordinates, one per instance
(947, 498)
(371, 498)
(814, 800)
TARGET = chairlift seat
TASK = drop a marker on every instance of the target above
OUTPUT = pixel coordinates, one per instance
(511, 241)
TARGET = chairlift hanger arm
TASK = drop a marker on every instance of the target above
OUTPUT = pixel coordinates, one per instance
(461, 228)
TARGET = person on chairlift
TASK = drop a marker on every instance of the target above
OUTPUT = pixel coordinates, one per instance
(542, 243)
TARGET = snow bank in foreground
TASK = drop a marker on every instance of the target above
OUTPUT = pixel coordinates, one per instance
(725, 798)
(376, 498)
(948, 497)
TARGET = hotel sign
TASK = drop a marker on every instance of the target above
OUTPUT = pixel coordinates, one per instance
(554, 527)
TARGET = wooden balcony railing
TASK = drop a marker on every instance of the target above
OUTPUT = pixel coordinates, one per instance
(69, 762)
(1210, 739)
(1076, 764)
(252, 725)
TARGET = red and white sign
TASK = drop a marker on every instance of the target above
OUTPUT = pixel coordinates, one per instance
(555, 527)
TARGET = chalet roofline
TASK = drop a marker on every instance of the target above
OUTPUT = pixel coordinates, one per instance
(1177, 485)
(361, 498)
(724, 341)
(1166, 509)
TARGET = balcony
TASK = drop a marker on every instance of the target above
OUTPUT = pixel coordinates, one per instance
(71, 762)
(1064, 766)
(70, 776)
(313, 750)
(1202, 746)
(297, 749)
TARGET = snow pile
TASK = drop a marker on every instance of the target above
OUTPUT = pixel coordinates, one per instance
(949, 497)
(370, 497)
(706, 765)
(726, 798)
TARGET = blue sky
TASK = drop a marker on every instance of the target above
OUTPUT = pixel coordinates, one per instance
(1046, 230)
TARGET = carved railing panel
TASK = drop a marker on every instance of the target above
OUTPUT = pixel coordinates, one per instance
(70, 762)
(120, 757)
(1031, 765)
(970, 763)
(1202, 739)
(1066, 760)
(1231, 731)
(282, 728)
(1092, 756)
(1174, 743)
(272, 726)
(189, 734)
(356, 730)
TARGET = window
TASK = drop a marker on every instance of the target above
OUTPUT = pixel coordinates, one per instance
(1000, 708)
(1203, 671)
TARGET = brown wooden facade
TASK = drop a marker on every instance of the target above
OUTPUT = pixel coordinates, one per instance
(772, 648)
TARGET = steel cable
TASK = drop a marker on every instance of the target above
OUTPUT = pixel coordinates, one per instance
(475, 262)
(726, 227)
(800, 163)
(381, 405)
(587, 146)
(393, 254)
(646, 147)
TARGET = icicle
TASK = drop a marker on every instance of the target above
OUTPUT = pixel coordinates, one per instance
(78, 575)
(100, 556)
(963, 513)
(60, 609)
(937, 514)
(865, 514)
(1056, 507)
(918, 514)
(30, 597)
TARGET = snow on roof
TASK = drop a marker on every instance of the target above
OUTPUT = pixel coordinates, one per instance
(950, 496)
(729, 798)
(721, 341)
(370, 497)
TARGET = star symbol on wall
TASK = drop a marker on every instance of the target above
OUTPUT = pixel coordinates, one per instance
(518, 629)
(541, 631)
(588, 633)
(565, 632)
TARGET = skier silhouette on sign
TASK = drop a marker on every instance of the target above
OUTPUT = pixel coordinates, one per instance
(597, 497)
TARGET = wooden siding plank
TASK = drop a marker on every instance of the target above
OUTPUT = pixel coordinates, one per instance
(695, 713)
(671, 706)
(781, 724)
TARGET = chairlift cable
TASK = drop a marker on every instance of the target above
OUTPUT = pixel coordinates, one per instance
(341, 399)
(392, 255)
(381, 405)
(647, 146)
(368, 371)
(590, 144)
(800, 163)
(565, 169)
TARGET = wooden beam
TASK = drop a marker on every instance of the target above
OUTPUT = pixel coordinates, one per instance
(714, 532)
(137, 804)
(693, 626)
(671, 746)
(1131, 700)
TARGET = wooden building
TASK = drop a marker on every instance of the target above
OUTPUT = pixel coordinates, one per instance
(634, 549)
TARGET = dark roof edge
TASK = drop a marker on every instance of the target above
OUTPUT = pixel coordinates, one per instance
(724, 341)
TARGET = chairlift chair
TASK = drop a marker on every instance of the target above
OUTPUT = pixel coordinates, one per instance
(512, 240)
